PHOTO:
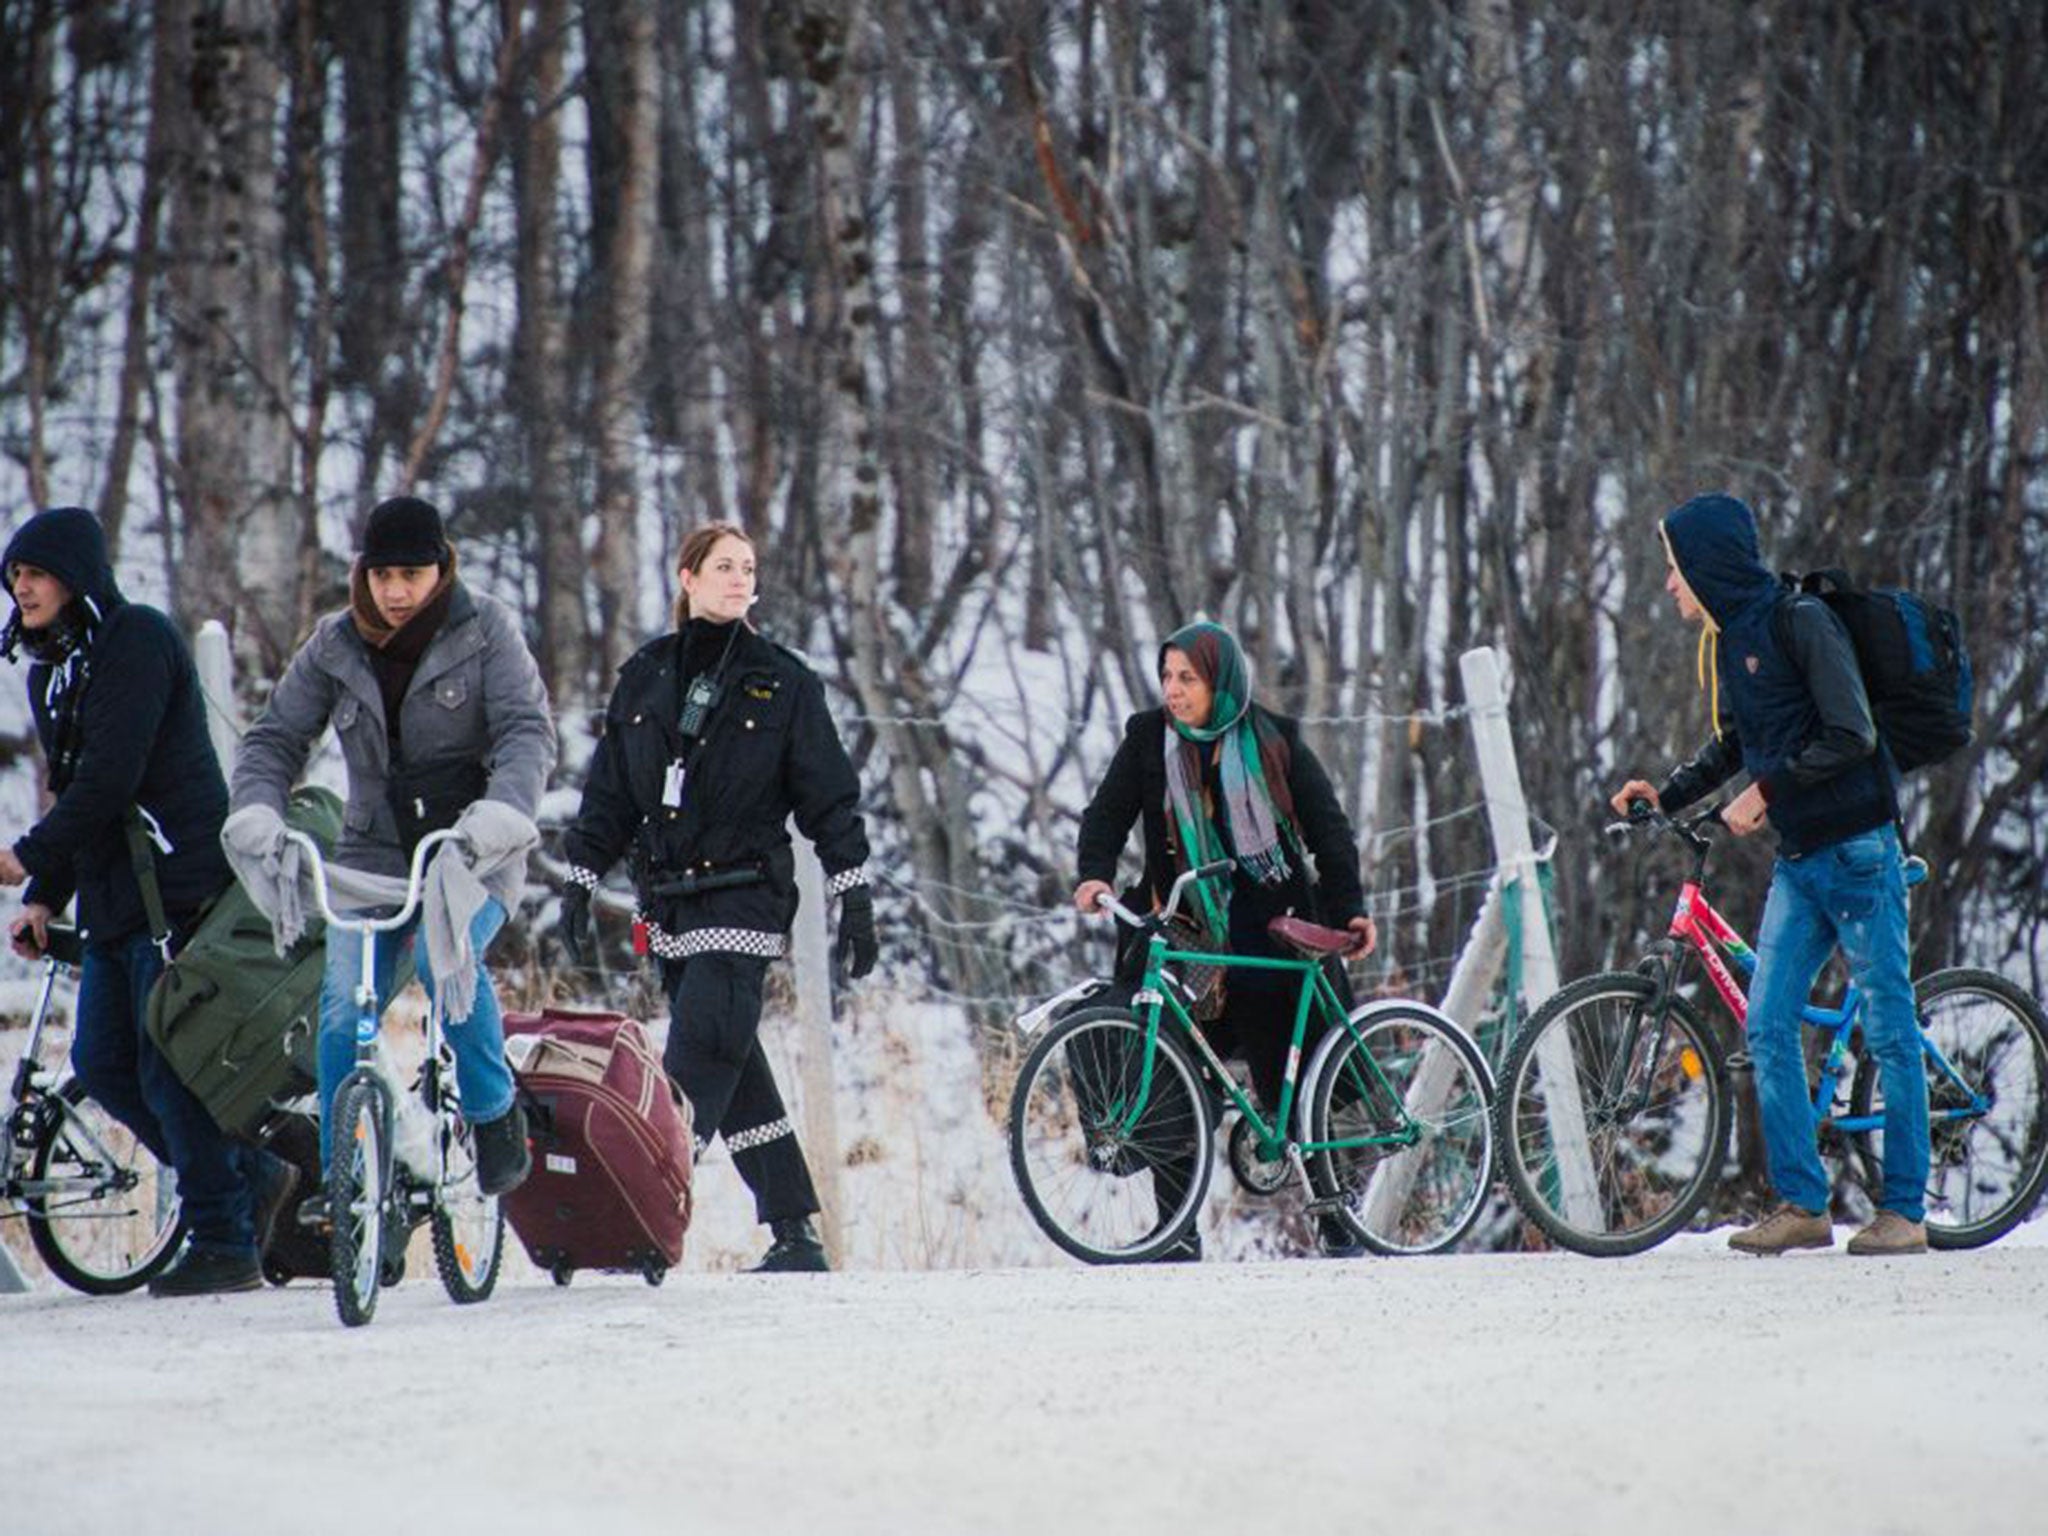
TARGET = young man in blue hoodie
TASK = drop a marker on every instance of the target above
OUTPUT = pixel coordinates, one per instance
(1801, 728)
(123, 726)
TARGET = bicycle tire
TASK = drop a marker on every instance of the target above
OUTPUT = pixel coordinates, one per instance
(114, 1239)
(468, 1229)
(1422, 1198)
(1986, 1171)
(1652, 1171)
(358, 1190)
(1105, 1198)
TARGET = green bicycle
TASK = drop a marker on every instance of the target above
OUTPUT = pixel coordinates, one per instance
(1112, 1115)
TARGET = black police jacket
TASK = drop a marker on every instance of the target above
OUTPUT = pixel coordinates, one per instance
(710, 856)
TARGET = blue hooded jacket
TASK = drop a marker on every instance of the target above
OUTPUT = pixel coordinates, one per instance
(1801, 718)
(122, 723)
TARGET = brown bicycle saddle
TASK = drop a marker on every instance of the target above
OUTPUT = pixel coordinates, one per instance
(1312, 939)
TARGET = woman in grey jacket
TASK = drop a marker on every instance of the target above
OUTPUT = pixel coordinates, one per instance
(437, 703)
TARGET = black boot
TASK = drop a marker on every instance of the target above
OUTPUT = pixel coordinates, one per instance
(796, 1249)
(203, 1270)
(1188, 1250)
(1335, 1239)
(271, 1184)
(503, 1159)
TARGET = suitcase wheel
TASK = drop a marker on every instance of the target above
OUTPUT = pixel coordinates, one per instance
(654, 1272)
(276, 1273)
(563, 1273)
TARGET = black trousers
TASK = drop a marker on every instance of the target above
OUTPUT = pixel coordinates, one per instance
(714, 1054)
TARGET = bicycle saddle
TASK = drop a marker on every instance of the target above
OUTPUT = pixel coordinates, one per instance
(1312, 939)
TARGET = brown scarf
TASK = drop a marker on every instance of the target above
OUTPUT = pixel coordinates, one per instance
(395, 652)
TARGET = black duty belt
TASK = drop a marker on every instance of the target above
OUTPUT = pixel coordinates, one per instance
(695, 882)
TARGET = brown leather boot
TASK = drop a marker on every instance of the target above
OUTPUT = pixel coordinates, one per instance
(1891, 1233)
(1788, 1227)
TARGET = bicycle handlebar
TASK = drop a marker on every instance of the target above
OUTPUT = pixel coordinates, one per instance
(1642, 815)
(414, 883)
(1107, 901)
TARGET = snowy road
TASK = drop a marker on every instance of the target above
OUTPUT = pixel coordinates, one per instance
(1688, 1390)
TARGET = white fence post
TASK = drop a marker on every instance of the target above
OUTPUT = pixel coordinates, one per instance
(1508, 814)
(811, 955)
(216, 665)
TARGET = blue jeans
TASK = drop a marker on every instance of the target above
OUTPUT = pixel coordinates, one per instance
(1852, 893)
(119, 1066)
(478, 1042)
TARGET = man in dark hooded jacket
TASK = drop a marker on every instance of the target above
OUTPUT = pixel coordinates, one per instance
(1802, 729)
(122, 724)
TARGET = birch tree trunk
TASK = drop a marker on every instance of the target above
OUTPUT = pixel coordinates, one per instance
(540, 370)
(243, 520)
(622, 49)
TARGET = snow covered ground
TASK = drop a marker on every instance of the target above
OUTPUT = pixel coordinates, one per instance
(1687, 1390)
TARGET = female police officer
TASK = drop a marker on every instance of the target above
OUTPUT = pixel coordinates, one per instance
(712, 739)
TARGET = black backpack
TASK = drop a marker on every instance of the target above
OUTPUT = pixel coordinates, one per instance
(1916, 667)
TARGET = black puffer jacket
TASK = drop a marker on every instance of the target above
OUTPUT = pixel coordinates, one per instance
(1134, 788)
(715, 870)
(140, 740)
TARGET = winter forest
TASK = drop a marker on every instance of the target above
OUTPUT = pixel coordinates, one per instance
(1019, 333)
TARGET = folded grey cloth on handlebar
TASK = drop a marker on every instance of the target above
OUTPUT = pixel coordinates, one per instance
(490, 838)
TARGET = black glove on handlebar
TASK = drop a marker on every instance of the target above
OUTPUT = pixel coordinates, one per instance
(857, 947)
(574, 928)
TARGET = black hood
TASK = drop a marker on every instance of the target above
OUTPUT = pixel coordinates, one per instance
(67, 542)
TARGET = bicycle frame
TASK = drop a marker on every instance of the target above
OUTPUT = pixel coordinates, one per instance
(369, 1019)
(1155, 1002)
(38, 1091)
(1703, 931)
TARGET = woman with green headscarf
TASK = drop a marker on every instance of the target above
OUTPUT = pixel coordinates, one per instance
(1213, 775)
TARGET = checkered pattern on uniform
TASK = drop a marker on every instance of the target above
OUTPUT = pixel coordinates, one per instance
(740, 1141)
(705, 941)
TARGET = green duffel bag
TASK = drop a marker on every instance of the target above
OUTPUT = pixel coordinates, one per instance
(237, 1021)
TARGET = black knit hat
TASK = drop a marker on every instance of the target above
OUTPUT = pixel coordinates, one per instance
(404, 531)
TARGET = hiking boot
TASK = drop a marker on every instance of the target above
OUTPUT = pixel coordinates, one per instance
(1789, 1226)
(503, 1160)
(1891, 1233)
(270, 1191)
(1187, 1251)
(796, 1250)
(1335, 1239)
(203, 1270)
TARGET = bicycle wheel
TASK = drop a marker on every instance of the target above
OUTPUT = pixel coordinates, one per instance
(1616, 1152)
(468, 1226)
(358, 1189)
(1987, 1109)
(1106, 1192)
(1403, 1069)
(105, 1216)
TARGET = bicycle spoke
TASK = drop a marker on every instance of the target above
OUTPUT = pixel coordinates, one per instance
(1109, 1163)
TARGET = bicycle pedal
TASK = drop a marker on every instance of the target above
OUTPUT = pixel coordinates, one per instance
(1326, 1205)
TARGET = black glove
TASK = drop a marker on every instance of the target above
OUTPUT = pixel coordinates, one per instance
(574, 929)
(857, 948)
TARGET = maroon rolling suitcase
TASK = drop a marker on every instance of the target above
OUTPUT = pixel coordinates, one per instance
(610, 1187)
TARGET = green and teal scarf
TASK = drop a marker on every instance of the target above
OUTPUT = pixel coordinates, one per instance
(1257, 807)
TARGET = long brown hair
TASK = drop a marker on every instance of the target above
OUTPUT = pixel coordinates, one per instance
(697, 546)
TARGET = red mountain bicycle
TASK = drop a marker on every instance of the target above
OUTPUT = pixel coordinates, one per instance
(1615, 1105)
